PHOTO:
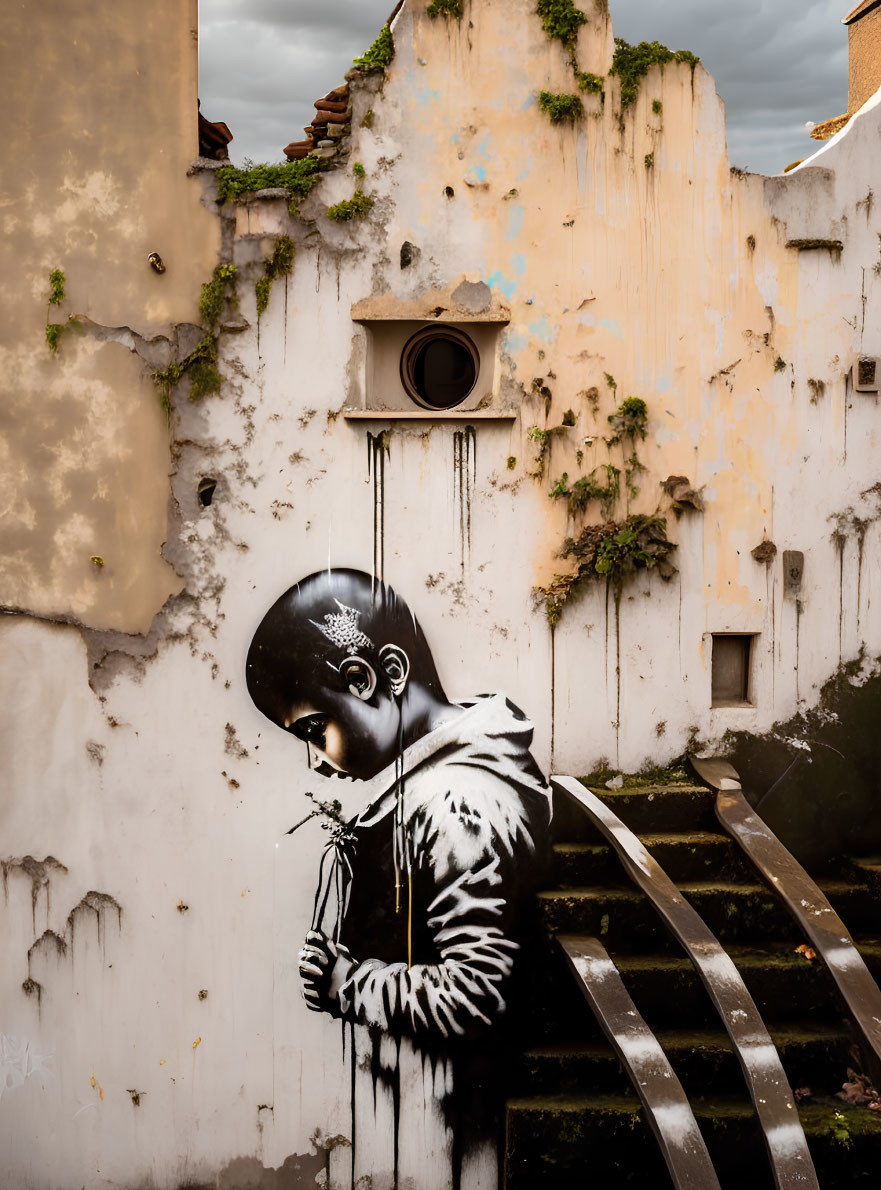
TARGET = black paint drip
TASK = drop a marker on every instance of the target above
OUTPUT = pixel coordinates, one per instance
(464, 480)
(377, 449)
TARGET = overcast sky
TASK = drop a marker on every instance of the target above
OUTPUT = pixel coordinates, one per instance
(777, 63)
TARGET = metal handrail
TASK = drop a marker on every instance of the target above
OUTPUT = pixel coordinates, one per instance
(665, 1103)
(766, 1080)
(812, 911)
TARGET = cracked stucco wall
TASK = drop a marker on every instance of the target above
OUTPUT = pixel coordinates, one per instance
(136, 767)
(94, 179)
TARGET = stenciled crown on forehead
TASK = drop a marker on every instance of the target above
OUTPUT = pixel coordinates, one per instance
(342, 629)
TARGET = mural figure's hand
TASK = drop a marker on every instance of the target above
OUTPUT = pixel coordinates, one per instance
(325, 966)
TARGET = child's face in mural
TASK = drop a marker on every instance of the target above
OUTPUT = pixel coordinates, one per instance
(347, 734)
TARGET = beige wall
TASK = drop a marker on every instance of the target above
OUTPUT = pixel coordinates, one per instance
(864, 41)
(96, 151)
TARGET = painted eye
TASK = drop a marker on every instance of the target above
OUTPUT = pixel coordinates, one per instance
(312, 729)
(359, 676)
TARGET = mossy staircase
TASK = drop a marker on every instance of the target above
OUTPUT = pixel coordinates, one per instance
(574, 1117)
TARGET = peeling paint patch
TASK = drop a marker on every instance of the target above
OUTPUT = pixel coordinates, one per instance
(499, 281)
(610, 325)
(515, 222)
(542, 329)
(18, 1062)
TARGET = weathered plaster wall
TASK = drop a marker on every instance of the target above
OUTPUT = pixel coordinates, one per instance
(161, 787)
(94, 179)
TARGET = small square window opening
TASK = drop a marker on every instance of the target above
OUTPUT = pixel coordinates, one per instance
(731, 670)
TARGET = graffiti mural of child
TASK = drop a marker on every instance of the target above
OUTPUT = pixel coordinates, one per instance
(424, 904)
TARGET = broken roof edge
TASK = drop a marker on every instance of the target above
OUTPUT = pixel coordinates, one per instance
(860, 11)
(869, 106)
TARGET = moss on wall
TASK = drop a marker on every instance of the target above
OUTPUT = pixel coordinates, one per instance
(631, 63)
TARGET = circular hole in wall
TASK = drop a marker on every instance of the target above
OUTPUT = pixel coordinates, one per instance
(439, 367)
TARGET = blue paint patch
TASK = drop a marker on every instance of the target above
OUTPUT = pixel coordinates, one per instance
(527, 170)
(612, 326)
(515, 222)
(663, 384)
(505, 284)
(481, 148)
(587, 319)
(527, 103)
(543, 329)
(455, 138)
(427, 95)
(514, 341)
(518, 263)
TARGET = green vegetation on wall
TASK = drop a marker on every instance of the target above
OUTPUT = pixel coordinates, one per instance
(611, 552)
(56, 287)
(380, 54)
(214, 293)
(631, 63)
(297, 177)
(355, 207)
(560, 108)
(201, 364)
(591, 83)
(561, 20)
(54, 330)
(447, 8)
(279, 264)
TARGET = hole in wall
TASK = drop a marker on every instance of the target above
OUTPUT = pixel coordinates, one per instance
(732, 657)
(205, 490)
(449, 192)
(439, 367)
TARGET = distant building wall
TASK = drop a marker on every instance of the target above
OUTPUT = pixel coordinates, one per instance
(864, 42)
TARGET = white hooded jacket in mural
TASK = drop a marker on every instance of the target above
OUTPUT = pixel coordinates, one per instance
(460, 826)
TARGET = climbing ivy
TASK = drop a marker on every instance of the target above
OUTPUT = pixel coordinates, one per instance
(632, 62)
(355, 207)
(380, 54)
(279, 265)
(611, 552)
(560, 108)
(561, 20)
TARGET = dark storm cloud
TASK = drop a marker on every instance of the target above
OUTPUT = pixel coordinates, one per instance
(777, 64)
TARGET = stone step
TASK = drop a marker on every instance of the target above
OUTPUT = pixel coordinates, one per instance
(868, 869)
(554, 1142)
(684, 855)
(668, 993)
(813, 1055)
(625, 919)
(649, 808)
